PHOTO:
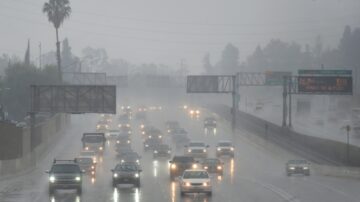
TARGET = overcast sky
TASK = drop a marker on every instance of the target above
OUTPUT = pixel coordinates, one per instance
(166, 31)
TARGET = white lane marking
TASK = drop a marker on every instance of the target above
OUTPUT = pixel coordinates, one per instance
(280, 192)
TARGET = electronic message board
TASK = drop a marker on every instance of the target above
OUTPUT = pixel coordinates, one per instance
(325, 84)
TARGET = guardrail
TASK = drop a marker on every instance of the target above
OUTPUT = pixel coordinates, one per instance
(322, 151)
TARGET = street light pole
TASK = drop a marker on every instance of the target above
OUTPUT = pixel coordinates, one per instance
(348, 144)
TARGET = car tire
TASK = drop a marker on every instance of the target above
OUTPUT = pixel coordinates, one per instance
(209, 193)
(182, 193)
(79, 190)
(114, 184)
(288, 174)
(307, 173)
(51, 191)
(138, 184)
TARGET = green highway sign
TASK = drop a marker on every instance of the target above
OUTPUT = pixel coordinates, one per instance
(325, 72)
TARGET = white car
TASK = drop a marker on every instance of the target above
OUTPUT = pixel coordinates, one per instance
(195, 181)
(113, 134)
(196, 150)
(225, 148)
(90, 154)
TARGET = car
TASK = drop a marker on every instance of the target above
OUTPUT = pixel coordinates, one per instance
(89, 153)
(113, 134)
(299, 166)
(141, 113)
(86, 164)
(225, 148)
(213, 165)
(122, 151)
(210, 122)
(123, 140)
(195, 181)
(65, 174)
(131, 157)
(94, 141)
(196, 149)
(126, 173)
(154, 134)
(178, 131)
(152, 143)
(194, 112)
(102, 126)
(162, 150)
(171, 125)
(181, 163)
(106, 118)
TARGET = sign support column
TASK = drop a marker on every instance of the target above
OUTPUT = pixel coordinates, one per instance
(284, 102)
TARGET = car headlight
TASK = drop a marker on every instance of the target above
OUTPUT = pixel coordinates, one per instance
(52, 179)
(219, 167)
(189, 150)
(115, 175)
(94, 159)
(142, 126)
(136, 175)
(92, 172)
(106, 126)
(191, 111)
(129, 132)
(169, 152)
(137, 161)
(194, 166)
(197, 112)
(143, 132)
(173, 166)
(77, 178)
(118, 142)
(98, 126)
(155, 152)
(219, 149)
(92, 167)
(232, 148)
(160, 136)
(187, 184)
(206, 167)
(128, 125)
(292, 168)
(128, 141)
(101, 148)
(86, 148)
(204, 150)
(305, 168)
(168, 131)
(146, 145)
(122, 161)
(119, 125)
(205, 184)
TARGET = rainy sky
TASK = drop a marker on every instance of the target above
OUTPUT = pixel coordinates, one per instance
(167, 31)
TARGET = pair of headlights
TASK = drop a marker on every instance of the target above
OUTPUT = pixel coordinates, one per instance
(135, 175)
(52, 179)
(188, 184)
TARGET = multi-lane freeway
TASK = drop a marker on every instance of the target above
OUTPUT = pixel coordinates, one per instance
(257, 173)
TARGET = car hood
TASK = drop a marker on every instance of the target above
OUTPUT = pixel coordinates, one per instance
(197, 147)
(196, 180)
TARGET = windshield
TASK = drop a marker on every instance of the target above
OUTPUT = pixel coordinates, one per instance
(93, 139)
(224, 144)
(126, 167)
(65, 168)
(195, 175)
(183, 159)
(88, 153)
(196, 144)
(84, 160)
(211, 161)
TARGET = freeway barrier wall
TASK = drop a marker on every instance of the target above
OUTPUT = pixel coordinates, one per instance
(330, 151)
(48, 132)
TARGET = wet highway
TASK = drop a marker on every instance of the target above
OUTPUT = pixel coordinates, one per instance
(257, 173)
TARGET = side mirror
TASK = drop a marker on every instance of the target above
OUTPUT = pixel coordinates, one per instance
(112, 170)
(47, 171)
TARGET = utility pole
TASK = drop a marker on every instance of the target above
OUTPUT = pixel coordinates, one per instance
(290, 103)
(348, 128)
(284, 102)
(40, 55)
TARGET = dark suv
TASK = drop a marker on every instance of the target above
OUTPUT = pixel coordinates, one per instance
(179, 164)
(126, 173)
(298, 167)
(65, 174)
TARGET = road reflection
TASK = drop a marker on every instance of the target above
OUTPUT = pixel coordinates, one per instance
(173, 191)
(232, 170)
(68, 197)
(155, 168)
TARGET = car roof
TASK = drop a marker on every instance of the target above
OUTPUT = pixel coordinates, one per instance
(195, 170)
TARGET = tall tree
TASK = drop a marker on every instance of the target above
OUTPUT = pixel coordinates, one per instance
(229, 62)
(207, 64)
(57, 11)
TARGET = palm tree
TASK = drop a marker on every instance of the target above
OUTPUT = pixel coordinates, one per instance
(57, 11)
